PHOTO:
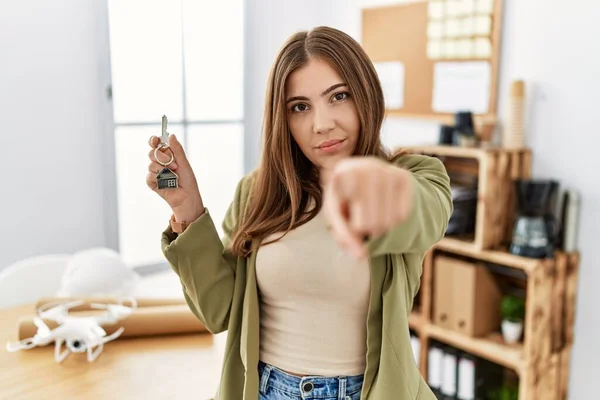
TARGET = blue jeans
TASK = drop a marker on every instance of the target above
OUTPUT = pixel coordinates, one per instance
(276, 384)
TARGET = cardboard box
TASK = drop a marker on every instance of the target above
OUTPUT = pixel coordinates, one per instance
(466, 297)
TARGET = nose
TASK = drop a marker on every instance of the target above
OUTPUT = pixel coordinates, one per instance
(323, 121)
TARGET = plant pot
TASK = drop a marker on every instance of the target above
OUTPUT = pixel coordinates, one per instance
(512, 331)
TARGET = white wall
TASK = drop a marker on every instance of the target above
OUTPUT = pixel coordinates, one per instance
(53, 148)
(551, 46)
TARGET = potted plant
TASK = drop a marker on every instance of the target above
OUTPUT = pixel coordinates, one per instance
(504, 393)
(513, 314)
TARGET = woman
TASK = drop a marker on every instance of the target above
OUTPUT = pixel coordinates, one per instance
(315, 277)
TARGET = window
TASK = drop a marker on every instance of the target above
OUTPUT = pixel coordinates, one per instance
(182, 59)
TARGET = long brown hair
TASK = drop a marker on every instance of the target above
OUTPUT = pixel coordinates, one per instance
(286, 181)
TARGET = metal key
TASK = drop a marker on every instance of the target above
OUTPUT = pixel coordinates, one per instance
(166, 179)
(164, 138)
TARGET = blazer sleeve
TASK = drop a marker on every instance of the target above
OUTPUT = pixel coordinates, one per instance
(431, 209)
(205, 265)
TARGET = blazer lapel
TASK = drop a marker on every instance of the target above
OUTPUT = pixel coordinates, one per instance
(377, 266)
(249, 345)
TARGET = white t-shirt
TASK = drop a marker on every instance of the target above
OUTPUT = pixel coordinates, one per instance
(314, 299)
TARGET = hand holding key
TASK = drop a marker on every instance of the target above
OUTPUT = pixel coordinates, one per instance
(168, 156)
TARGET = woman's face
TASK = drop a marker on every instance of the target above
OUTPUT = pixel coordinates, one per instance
(321, 114)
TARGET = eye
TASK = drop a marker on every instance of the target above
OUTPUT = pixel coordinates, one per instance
(341, 96)
(300, 107)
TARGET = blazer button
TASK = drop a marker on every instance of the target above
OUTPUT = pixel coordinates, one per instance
(308, 386)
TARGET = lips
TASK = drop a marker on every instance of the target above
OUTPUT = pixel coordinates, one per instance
(329, 143)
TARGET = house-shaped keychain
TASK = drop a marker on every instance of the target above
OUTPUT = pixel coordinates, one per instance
(167, 179)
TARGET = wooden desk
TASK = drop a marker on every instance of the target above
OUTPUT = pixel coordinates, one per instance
(167, 367)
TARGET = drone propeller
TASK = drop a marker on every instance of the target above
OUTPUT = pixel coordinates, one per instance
(24, 344)
(42, 337)
(65, 306)
(55, 312)
(116, 311)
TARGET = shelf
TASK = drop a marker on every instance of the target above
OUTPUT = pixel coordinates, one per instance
(464, 152)
(448, 151)
(467, 249)
(446, 119)
(491, 347)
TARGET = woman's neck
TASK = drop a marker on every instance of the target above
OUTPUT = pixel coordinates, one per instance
(324, 176)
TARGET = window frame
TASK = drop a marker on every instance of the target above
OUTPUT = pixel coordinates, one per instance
(110, 179)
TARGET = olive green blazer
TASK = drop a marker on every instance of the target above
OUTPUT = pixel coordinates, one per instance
(221, 289)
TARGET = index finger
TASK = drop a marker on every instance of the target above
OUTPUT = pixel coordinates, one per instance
(340, 226)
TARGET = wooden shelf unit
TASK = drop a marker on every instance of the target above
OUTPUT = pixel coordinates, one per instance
(541, 360)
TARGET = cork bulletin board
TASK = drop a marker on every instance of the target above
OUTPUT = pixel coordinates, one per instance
(438, 46)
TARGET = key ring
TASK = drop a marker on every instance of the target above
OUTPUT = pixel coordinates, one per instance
(166, 146)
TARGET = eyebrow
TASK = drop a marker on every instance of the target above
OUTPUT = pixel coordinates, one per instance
(325, 93)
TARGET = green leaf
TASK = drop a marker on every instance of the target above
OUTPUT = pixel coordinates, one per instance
(512, 308)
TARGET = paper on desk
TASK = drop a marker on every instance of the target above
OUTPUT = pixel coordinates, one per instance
(391, 76)
(436, 10)
(485, 6)
(461, 86)
(434, 49)
(483, 25)
(435, 30)
(453, 28)
(483, 48)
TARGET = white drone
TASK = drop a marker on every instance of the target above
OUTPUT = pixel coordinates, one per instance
(79, 334)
